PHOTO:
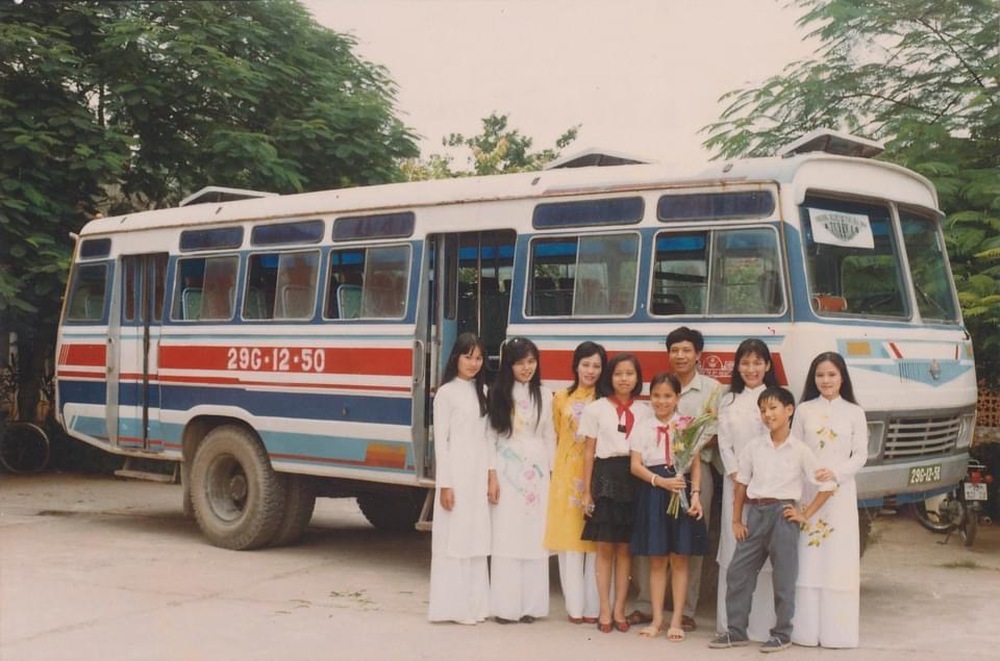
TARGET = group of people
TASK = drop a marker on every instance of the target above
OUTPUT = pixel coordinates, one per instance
(618, 488)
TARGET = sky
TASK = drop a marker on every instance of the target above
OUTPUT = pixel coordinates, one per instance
(638, 76)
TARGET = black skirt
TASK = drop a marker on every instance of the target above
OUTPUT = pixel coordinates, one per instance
(654, 532)
(613, 489)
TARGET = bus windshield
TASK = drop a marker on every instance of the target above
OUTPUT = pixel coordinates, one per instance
(854, 261)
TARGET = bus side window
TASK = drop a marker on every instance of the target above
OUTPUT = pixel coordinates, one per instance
(587, 276)
(368, 283)
(745, 272)
(680, 274)
(86, 303)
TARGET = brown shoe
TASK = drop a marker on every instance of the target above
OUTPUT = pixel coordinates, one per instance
(688, 623)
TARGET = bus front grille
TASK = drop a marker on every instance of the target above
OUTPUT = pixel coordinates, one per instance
(919, 437)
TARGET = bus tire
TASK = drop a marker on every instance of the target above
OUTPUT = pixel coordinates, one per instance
(300, 501)
(187, 506)
(238, 498)
(393, 512)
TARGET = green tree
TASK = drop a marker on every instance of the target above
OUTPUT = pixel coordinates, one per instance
(115, 106)
(922, 76)
(499, 149)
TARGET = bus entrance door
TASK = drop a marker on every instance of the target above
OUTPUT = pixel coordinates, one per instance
(133, 377)
(468, 281)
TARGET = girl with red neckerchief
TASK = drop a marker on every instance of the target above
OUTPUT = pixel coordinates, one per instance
(606, 426)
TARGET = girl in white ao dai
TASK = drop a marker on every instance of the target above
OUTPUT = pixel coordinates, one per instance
(460, 540)
(524, 441)
(830, 422)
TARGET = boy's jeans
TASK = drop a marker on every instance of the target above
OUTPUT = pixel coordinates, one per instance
(770, 536)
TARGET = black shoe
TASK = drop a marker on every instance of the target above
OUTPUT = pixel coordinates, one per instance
(775, 644)
(725, 640)
(527, 619)
(504, 620)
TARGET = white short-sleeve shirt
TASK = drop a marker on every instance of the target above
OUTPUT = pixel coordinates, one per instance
(600, 421)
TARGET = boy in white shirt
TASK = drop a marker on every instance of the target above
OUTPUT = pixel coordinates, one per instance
(769, 481)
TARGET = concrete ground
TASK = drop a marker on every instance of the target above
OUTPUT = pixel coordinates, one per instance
(93, 567)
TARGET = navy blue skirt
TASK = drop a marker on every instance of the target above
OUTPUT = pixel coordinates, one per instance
(654, 532)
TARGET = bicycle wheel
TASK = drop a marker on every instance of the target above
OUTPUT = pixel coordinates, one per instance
(24, 448)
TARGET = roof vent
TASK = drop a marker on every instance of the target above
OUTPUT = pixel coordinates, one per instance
(210, 194)
(595, 157)
(833, 142)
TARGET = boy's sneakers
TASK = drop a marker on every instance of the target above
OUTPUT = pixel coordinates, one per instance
(774, 644)
(726, 639)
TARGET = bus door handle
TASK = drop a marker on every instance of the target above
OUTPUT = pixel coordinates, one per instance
(110, 365)
(418, 362)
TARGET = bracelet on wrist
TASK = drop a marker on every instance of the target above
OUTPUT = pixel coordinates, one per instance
(694, 491)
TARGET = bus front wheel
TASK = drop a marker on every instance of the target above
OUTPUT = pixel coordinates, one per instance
(238, 498)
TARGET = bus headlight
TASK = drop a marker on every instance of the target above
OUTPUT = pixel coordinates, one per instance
(876, 433)
(966, 428)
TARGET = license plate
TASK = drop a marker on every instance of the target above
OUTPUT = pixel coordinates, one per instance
(976, 491)
(925, 474)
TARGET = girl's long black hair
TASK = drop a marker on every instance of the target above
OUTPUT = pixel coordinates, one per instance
(811, 391)
(586, 350)
(502, 390)
(751, 346)
(607, 375)
(464, 346)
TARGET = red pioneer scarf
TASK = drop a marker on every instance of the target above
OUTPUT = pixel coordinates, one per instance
(625, 417)
(663, 434)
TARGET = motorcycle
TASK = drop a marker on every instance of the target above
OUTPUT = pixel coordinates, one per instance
(959, 509)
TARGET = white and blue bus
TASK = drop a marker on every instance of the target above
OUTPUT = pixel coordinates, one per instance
(282, 348)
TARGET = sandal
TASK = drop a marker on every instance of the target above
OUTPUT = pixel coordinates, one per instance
(650, 632)
(622, 625)
(575, 620)
(688, 623)
(604, 627)
(590, 620)
(675, 635)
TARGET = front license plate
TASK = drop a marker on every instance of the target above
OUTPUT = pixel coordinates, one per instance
(976, 491)
(925, 474)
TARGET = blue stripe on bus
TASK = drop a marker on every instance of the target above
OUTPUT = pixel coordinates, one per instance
(296, 448)
(299, 405)
(373, 409)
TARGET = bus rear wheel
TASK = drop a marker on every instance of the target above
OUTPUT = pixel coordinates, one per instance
(238, 498)
(393, 512)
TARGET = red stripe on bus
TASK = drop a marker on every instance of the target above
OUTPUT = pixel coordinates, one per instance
(83, 355)
(558, 364)
(237, 381)
(366, 361)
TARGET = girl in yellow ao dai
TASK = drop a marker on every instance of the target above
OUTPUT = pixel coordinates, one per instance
(577, 557)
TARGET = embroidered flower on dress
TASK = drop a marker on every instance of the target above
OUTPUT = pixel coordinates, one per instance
(817, 532)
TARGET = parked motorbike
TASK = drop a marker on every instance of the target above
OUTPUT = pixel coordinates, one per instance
(960, 509)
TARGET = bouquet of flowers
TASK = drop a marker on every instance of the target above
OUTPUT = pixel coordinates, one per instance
(690, 435)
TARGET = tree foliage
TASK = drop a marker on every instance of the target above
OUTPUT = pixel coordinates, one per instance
(499, 149)
(115, 106)
(922, 76)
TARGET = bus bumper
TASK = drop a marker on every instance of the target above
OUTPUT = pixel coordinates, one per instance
(877, 482)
